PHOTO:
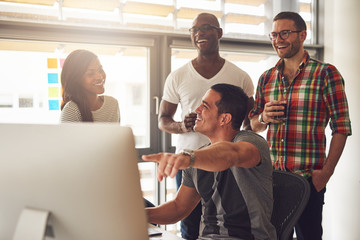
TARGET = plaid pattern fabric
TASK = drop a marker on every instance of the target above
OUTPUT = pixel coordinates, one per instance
(315, 95)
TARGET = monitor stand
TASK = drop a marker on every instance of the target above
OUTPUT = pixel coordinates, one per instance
(31, 224)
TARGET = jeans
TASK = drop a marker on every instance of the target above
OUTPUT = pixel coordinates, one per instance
(189, 226)
(309, 226)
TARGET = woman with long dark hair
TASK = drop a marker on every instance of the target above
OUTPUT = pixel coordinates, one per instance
(82, 80)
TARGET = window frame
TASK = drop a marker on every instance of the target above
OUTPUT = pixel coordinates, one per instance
(160, 45)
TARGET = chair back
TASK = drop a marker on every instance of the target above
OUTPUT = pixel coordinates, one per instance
(291, 193)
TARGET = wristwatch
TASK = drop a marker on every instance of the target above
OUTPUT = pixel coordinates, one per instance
(192, 156)
(261, 120)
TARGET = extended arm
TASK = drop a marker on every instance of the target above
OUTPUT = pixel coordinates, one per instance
(321, 177)
(223, 155)
(216, 157)
(173, 211)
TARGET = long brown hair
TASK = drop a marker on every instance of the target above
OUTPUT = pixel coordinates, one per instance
(72, 74)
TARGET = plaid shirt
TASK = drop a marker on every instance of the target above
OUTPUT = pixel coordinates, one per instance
(314, 96)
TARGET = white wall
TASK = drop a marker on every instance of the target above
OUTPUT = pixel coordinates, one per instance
(342, 199)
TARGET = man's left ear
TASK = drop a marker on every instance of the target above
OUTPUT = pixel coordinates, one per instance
(220, 33)
(303, 35)
(225, 119)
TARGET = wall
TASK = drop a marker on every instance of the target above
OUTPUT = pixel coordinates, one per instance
(342, 199)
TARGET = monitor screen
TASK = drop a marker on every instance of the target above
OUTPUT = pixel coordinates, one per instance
(85, 175)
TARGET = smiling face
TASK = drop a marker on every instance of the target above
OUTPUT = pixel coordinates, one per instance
(94, 78)
(206, 42)
(207, 114)
(291, 46)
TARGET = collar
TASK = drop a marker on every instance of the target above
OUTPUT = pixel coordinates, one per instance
(280, 64)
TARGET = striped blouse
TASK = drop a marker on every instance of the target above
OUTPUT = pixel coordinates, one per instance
(109, 112)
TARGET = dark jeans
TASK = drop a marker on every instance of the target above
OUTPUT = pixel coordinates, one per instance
(189, 225)
(309, 226)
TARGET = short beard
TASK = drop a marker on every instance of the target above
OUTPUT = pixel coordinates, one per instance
(295, 47)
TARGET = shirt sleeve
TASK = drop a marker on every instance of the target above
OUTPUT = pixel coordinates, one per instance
(258, 141)
(70, 113)
(248, 86)
(259, 98)
(170, 89)
(187, 179)
(337, 105)
(118, 111)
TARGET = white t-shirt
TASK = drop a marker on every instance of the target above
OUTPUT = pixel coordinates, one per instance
(187, 87)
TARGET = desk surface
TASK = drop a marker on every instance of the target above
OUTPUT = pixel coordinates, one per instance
(165, 235)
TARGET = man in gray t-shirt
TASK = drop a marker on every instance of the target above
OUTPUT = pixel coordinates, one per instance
(232, 177)
(251, 187)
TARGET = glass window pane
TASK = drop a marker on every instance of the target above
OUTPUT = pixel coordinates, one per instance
(127, 80)
(148, 181)
(31, 88)
(239, 19)
(213, 5)
(27, 79)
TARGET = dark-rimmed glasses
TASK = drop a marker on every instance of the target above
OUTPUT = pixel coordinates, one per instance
(284, 34)
(203, 28)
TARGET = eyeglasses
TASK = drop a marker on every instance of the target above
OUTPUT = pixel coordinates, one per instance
(284, 34)
(203, 28)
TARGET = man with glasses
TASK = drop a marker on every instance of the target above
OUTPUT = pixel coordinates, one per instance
(295, 101)
(187, 85)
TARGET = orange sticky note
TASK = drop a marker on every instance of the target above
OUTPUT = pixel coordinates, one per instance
(52, 62)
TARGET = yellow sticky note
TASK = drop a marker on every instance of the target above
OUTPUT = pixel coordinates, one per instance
(52, 62)
(53, 92)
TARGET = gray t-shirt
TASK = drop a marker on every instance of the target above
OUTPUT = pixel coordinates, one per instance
(237, 202)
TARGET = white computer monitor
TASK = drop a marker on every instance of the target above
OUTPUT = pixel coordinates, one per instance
(85, 175)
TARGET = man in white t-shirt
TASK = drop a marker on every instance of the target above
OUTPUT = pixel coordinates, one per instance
(187, 85)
